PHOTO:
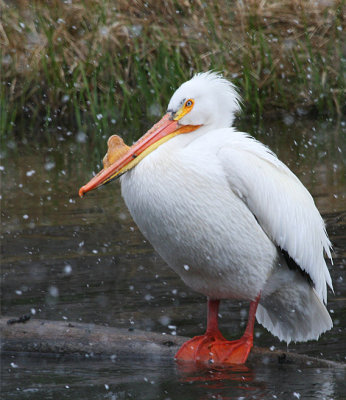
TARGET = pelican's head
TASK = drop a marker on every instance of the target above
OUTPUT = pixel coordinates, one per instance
(206, 100)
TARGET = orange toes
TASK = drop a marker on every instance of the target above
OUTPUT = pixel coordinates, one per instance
(215, 349)
(232, 352)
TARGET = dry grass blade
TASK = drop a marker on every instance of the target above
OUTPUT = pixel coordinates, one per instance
(97, 54)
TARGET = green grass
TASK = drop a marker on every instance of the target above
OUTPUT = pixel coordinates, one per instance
(93, 67)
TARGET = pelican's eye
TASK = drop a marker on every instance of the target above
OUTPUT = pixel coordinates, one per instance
(189, 103)
(184, 109)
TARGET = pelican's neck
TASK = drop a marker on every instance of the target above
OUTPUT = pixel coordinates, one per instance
(186, 138)
(167, 149)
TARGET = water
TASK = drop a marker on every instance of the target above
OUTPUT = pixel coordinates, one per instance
(65, 258)
(84, 379)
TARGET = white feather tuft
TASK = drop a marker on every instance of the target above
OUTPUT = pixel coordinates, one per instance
(216, 101)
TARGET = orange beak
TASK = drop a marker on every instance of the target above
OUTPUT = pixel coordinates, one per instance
(165, 129)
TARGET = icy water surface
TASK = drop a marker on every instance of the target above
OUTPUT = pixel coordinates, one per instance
(65, 258)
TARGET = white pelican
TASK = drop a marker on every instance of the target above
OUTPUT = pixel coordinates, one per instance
(230, 218)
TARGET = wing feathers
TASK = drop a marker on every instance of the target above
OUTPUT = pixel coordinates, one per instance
(282, 205)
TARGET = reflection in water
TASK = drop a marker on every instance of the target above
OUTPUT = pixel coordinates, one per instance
(63, 378)
(63, 258)
(216, 377)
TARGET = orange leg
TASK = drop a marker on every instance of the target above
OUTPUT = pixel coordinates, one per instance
(212, 347)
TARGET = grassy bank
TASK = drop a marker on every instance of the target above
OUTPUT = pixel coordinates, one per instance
(105, 66)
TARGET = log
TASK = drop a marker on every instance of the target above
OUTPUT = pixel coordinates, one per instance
(46, 338)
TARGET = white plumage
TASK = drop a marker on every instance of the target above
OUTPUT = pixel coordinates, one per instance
(230, 218)
(221, 203)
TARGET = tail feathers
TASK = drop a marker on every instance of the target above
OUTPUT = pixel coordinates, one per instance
(291, 309)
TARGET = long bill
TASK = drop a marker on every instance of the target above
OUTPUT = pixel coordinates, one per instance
(165, 129)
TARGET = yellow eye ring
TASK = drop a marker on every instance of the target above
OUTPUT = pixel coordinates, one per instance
(186, 108)
(189, 103)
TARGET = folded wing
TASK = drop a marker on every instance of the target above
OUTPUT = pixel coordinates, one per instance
(281, 204)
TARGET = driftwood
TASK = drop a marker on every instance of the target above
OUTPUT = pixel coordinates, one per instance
(45, 337)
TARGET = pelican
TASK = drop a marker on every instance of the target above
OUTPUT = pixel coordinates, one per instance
(228, 217)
